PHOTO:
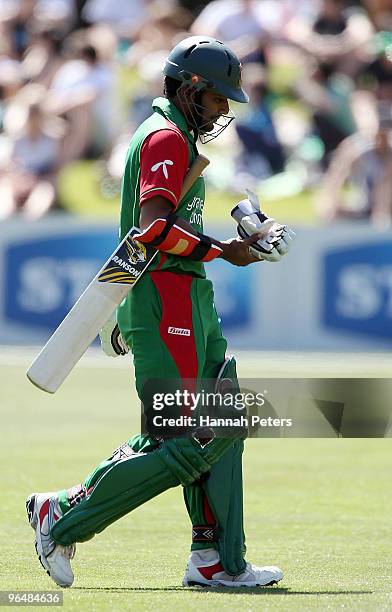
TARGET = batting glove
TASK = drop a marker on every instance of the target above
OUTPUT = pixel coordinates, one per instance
(276, 238)
(112, 342)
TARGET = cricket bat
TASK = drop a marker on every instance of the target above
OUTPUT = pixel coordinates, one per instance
(93, 309)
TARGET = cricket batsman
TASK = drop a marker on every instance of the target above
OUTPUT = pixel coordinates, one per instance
(171, 326)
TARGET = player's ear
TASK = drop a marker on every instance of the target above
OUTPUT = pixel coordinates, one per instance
(203, 97)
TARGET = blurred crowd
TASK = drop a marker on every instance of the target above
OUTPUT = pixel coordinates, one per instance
(78, 76)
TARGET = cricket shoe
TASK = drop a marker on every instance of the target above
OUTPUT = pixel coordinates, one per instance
(205, 569)
(43, 511)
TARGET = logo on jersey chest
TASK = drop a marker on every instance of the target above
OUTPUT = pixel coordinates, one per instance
(196, 208)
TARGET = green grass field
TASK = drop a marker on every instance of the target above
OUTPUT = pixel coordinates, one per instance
(320, 509)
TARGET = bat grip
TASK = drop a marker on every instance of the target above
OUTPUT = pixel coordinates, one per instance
(200, 163)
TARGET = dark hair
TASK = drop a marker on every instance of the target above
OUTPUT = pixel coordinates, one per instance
(170, 87)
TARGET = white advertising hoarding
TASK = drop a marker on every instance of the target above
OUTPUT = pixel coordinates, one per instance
(332, 292)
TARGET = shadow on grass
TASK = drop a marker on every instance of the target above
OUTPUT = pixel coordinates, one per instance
(220, 590)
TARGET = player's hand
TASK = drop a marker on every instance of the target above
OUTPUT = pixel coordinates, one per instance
(275, 239)
(238, 252)
(274, 244)
(112, 342)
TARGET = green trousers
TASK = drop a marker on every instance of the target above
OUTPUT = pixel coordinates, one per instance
(170, 322)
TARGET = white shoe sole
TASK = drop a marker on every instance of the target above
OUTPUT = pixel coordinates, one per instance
(224, 583)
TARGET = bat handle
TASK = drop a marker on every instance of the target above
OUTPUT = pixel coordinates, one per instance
(200, 163)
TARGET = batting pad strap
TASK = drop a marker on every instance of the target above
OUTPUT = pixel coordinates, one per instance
(165, 235)
(204, 533)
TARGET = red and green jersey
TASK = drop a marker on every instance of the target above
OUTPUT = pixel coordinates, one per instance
(159, 155)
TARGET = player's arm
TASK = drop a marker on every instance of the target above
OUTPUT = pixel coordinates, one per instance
(163, 165)
(160, 211)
